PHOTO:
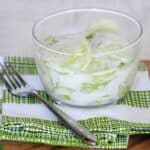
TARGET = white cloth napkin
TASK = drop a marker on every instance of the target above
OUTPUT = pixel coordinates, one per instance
(122, 112)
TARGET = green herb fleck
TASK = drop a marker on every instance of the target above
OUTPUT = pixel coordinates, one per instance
(105, 96)
(66, 97)
(89, 36)
(97, 102)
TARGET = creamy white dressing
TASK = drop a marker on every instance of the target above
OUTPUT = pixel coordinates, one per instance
(70, 84)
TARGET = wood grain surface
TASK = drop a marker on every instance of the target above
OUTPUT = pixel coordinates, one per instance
(136, 142)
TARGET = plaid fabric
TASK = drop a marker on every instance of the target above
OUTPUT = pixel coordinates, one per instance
(24, 65)
(136, 99)
(133, 98)
(111, 133)
(48, 132)
(9, 98)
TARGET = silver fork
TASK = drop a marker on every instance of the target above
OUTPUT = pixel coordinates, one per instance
(19, 87)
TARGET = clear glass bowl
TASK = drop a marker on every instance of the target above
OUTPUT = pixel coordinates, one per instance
(87, 57)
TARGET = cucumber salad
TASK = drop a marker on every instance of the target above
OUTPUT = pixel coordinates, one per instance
(91, 69)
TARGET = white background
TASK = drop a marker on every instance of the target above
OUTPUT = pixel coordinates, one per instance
(18, 16)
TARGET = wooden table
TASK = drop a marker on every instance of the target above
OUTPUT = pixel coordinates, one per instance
(136, 142)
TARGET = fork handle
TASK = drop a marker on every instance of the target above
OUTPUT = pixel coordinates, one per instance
(68, 121)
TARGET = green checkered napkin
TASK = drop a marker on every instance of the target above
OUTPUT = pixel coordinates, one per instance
(111, 133)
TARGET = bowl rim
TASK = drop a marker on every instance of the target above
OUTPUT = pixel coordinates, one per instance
(133, 19)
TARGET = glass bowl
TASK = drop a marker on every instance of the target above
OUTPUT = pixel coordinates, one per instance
(87, 57)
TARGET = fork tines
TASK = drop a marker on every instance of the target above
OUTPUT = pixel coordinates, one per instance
(10, 77)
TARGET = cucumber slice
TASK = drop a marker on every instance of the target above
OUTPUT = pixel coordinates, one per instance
(101, 76)
(123, 89)
(104, 26)
(78, 62)
(109, 49)
(94, 66)
(50, 40)
(110, 46)
(89, 87)
(101, 26)
(63, 93)
(70, 60)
